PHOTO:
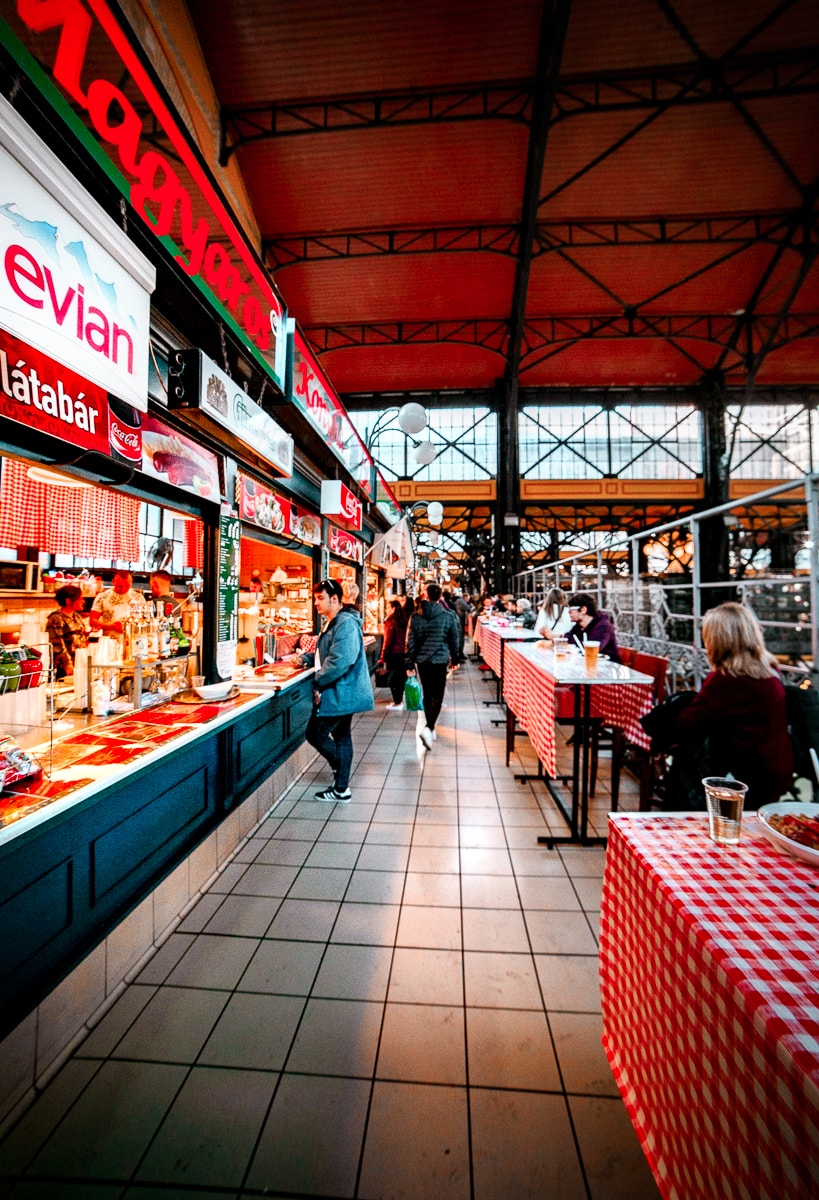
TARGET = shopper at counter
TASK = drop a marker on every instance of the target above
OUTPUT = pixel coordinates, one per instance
(112, 607)
(341, 687)
(66, 629)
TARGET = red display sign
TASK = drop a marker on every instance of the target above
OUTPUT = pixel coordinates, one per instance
(338, 502)
(345, 545)
(260, 505)
(304, 525)
(175, 459)
(39, 392)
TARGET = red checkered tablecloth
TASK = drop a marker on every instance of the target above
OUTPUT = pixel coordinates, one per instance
(623, 705)
(709, 971)
(491, 648)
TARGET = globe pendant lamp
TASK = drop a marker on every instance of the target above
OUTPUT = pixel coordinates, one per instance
(412, 418)
(424, 453)
(435, 512)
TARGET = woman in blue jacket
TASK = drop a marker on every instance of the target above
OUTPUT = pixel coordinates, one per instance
(341, 687)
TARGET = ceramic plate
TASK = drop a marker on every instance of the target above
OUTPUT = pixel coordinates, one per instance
(784, 807)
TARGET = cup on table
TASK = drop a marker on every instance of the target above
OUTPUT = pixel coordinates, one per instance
(591, 651)
(561, 649)
(197, 681)
(724, 799)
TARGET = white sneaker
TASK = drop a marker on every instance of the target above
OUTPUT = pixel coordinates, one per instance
(396, 707)
(427, 736)
(421, 722)
(434, 733)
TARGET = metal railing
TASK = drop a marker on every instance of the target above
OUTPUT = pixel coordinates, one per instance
(653, 613)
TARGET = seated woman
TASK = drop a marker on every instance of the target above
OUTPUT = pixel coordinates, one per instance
(592, 624)
(66, 629)
(526, 615)
(553, 618)
(741, 707)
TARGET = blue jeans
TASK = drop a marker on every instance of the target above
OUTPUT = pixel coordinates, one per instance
(333, 739)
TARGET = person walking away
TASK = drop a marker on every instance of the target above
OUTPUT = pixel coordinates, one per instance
(592, 624)
(341, 687)
(393, 653)
(432, 643)
(553, 618)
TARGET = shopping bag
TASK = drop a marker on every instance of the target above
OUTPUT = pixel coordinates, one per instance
(382, 674)
(412, 694)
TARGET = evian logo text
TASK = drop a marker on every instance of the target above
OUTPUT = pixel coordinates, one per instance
(34, 284)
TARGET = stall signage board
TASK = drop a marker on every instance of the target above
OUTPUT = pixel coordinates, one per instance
(227, 636)
(314, 397)
(305, 526)
(338, 502)
(173, 458)
(71, 284)
(260, 505)
(153, 161)
(345, 545)
(38, 392)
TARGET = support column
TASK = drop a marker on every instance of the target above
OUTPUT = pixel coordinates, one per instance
(507, 537)
(713, 540)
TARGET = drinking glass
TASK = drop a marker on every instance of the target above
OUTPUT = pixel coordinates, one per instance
(724, 799)
(592, 651)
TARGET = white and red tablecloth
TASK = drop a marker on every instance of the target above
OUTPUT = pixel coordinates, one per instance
(495, 638)
(530, 677)
(709, 971)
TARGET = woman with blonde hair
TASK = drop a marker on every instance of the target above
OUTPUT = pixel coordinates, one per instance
(741, 706)
(553, 618)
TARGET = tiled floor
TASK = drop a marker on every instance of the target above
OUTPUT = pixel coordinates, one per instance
(393, 998)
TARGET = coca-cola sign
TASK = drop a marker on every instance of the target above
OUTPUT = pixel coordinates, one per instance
(345, 545)
(338, 502)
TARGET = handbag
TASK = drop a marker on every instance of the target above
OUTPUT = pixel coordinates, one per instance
(382, 674)
(413, 701)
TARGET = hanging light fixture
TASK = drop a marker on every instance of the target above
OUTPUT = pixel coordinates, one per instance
(424, 453)
(55, 478)
(412, 418)
(435, 512)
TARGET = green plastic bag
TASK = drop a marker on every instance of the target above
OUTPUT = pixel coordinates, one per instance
(412, 694)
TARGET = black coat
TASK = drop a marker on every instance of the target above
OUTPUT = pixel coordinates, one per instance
(434, 635)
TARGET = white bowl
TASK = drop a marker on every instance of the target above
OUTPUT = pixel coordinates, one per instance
(214, 691)
(796, 849)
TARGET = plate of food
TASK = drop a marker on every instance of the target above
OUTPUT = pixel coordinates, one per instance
(793, 827)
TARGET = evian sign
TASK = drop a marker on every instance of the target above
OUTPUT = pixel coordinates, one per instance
(338, 502)
(71, 284)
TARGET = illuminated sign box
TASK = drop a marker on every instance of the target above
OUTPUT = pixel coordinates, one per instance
(338, 502)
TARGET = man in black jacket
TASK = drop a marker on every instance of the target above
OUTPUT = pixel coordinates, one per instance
(433, 641)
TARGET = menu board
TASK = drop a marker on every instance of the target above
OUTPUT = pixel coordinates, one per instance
(228, 613)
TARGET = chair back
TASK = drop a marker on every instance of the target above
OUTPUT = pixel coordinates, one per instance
(627, 655)
(656, 667)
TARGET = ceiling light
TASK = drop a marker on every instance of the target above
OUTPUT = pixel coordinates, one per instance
(55, 478)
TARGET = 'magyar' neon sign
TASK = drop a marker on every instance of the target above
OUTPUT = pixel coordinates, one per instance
(157, 192)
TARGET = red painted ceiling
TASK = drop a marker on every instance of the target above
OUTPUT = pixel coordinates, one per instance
(675, 209)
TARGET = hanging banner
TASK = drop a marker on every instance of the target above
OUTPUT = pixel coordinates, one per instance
(315, 398)
(126, 124)
(71, 283)
(345, 545)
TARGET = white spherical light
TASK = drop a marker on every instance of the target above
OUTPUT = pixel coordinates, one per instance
(424, 453)
(435, 512)
(412, 418)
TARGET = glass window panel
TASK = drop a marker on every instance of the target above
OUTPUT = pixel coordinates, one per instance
(466, 439)
(770, 441)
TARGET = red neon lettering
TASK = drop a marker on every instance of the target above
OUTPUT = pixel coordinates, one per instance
(15, 270)
(103, 97)
(167, 193)
(75, 25)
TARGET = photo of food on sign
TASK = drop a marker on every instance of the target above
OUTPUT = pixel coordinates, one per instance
(261, 506)
(169, 456)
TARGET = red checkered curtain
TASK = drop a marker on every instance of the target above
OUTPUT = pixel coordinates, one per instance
(90, 522)
(194, 545)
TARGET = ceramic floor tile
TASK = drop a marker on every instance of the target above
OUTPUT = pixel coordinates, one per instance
(426, 977)
(438, 860)
(107, 1032)
(537, 861)
(352, 832)
(254, 1031)
(488, 929)
(301, 828)
(265, 879)
(248, 916)
(304, 920)
(383, 834)
(209, 1135)
(485, 862)
(417, 1144)
(213, 961)
(427, 834)
(489, 891)
(508, 1161)
(615, 1165)
(337, 1037)
(109, 1128)
(227, 879)
(550, 892)
(49, 1190)
(589, 891)
(160, 965)
(283, 967)
(366, 924)
(429, 928)
(383, 858)
(570, 983)
(422, 1043)
(173, 1026)
(311, 1142)
(560, 933)
(510, 1048)
(38, 1123)
(341, 855)
(396, 814)
(284, 853)
(376, 887)
(584, 862)
(320, 883)
(200, 914)
(501, 981)
(354, 973)
(579, 1048)
(482, 837)
(427, 889)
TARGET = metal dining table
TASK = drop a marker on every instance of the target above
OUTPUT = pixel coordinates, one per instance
(621, 697)
(494, 639)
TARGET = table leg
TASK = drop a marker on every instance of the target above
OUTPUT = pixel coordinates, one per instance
(578, 821)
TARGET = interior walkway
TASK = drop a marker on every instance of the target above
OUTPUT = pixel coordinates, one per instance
(394, 998)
